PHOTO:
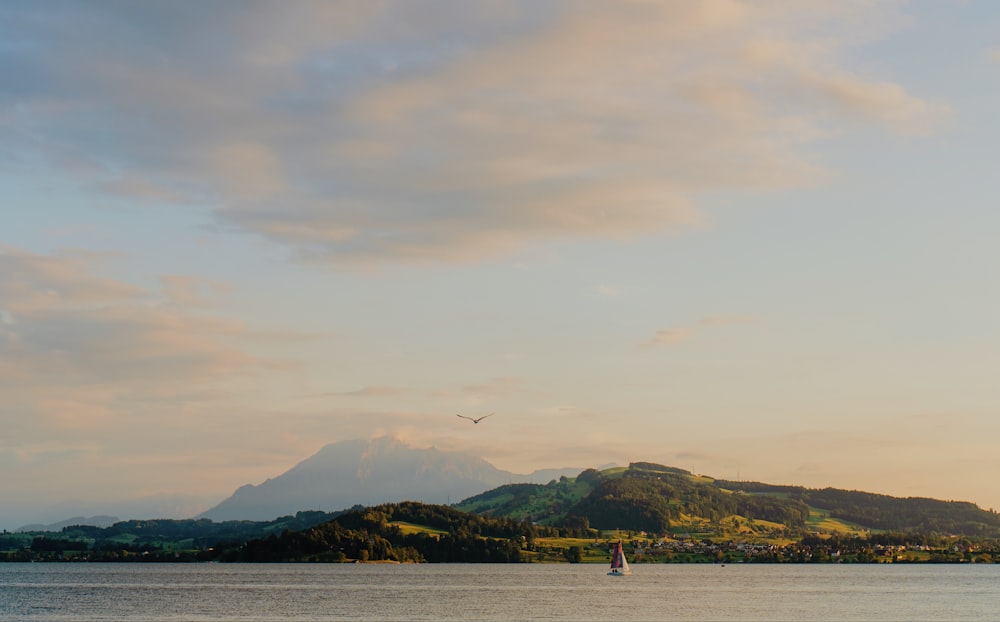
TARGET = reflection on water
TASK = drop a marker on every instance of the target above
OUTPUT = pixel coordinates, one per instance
(249, 592)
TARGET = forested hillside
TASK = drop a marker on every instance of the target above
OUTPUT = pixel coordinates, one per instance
(160, 539)
(401, 532)
(659, 499)
(882, 512)
(651, 498)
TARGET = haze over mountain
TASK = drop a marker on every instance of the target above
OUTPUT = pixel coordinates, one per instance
(97, 512)
(94, 521)
(369, 472)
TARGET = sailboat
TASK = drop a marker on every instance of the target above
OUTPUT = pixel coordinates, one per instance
(619, 565)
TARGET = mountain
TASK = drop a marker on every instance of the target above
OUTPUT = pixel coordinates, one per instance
(96, 511)
(363, 472)
(92, 521)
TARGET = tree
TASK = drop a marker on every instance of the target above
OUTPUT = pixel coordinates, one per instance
(574, 555)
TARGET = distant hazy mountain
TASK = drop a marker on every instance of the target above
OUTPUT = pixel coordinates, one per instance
(95, 521)
(383, 470)
(52, 517)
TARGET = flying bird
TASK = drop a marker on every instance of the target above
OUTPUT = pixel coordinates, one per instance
(474, 420)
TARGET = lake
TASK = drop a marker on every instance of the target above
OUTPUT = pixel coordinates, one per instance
(247, 592)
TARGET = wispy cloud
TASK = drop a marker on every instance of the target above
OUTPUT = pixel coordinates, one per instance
(82, 349)
(375, 132)
(675, 335)
(189, 291)
(483, 391)
(883, 102)
(668, 336)
(375, 391)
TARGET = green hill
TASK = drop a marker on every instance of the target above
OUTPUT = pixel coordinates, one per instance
(666, 500)
(886, 513)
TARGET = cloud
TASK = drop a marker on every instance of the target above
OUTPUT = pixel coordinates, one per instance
(32, 283)
(607, 291)
(491, 389)
(668, 336)
(85, 351)
(884, 102)
(468, 393)
(189, 291)
(392, 131)
(372, 391)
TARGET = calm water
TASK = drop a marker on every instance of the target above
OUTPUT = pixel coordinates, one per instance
(245, 592)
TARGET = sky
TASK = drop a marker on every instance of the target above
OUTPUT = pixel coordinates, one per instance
(754, 240)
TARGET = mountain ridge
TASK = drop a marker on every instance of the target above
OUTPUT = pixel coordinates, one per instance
(369, 472)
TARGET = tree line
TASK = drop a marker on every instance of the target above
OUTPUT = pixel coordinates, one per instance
(372, 534)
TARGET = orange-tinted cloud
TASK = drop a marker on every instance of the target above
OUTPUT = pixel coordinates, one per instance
(83, 351)
(379, 132)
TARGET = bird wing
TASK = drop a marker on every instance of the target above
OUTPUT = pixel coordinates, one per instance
(485, 416)
(464, 417)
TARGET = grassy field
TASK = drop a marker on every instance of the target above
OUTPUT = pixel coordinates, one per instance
(552, 550)
(408, 528)
(820, 520)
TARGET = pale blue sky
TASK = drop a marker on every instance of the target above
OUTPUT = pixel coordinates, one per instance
(749, 239)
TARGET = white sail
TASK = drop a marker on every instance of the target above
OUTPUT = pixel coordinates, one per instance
(619, 565)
